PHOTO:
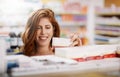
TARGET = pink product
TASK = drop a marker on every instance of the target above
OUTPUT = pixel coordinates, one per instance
(79, 18)
(112, 55)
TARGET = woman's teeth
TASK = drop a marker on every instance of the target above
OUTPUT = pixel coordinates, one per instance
(43, 38)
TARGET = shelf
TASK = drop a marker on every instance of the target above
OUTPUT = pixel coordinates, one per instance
(73, 13)
(107, 33)
(62, 24)
(109, 23)
(106, 39)
(108, 13)
(101, 42)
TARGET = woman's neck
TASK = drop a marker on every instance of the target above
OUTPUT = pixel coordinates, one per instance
(44, 51)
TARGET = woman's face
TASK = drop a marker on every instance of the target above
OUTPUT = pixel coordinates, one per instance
(44, 32)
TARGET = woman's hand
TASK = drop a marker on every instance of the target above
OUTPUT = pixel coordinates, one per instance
(76, 41)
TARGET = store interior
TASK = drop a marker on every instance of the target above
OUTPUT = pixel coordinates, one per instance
(96, 21)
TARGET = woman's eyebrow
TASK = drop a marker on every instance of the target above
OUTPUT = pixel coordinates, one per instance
(38, 25)
(47, 25)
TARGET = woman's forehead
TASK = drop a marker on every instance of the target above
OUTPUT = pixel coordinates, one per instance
(44, 20)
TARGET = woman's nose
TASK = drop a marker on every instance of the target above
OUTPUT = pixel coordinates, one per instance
(43, 31)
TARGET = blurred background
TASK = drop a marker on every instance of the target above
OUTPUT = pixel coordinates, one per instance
(97, 21)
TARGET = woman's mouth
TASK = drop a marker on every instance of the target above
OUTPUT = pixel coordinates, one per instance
(43, 37)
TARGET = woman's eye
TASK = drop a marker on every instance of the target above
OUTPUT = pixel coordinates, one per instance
(39, 28)
(48, 27)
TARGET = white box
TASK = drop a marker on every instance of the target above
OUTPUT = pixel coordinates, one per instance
(61, 42)
(85, 51)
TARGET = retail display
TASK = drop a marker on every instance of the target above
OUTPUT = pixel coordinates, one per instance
(81, 59)
(13, 40)
(86, 53)
(19, 40)
(73, 16)
(107, 27)
(72, 22)
(13, 43)
(43, 65)
(38, 63)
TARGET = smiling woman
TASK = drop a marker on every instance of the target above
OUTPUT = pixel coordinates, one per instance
(40, 29)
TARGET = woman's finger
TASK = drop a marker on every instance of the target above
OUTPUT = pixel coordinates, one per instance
(74, 36)
(77, 42)
(75, 39)
(74, 44)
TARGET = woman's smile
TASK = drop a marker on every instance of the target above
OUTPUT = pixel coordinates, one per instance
(43, 37)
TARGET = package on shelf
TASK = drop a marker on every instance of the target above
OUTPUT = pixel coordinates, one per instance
(103, 65)
(107, 39)
(21, 61)
(41, 64)
(53, 59)
(87, 52)
(108, 25)
(54, 64)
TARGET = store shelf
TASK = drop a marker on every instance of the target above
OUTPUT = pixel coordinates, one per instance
(106, 67)
(68, 24)
(73, 13)
(106, 39)
(107, 24)
(108, 13)
(107, 33)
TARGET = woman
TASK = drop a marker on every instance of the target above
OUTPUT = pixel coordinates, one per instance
(40, 29)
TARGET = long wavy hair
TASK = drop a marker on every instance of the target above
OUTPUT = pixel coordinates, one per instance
(29, 35)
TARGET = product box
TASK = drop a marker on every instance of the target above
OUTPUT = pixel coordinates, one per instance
(84, 53)
(61, 42)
